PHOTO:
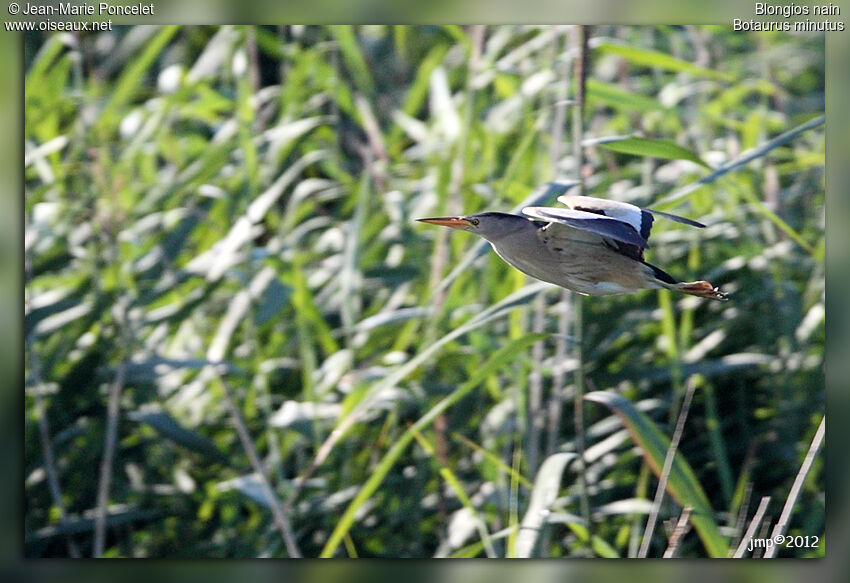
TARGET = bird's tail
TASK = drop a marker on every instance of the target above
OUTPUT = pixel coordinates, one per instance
(701, 289)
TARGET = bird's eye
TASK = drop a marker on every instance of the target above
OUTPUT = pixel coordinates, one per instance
(474, 222)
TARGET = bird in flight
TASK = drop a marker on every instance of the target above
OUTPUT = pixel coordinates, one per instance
(593, 247)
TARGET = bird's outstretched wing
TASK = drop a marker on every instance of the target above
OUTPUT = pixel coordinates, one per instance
(620, 225)
(639, 218)
(589, 222)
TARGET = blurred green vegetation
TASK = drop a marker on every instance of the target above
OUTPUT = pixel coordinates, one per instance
(220, 237)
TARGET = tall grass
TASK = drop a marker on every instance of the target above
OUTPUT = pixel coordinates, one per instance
(231, 312)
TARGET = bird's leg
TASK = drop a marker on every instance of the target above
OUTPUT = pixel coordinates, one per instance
(702, 289)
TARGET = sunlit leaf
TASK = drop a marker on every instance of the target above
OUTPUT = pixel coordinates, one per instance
(651, 148)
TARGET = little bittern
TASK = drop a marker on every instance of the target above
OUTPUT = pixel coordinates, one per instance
(593, 247)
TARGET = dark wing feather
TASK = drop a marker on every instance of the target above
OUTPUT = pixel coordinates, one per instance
(633, 251)
(676, 218)
(596, 224)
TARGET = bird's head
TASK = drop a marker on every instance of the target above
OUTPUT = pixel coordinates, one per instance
(491, 226)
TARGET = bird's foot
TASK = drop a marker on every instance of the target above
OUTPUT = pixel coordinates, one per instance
(702, 289)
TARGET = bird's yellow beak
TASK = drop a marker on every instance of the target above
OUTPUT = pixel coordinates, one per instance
(452, 222)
